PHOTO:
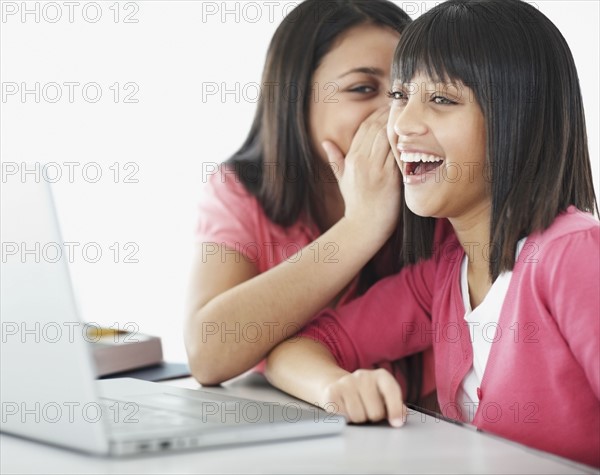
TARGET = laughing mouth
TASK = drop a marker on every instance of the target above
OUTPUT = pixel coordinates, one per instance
(420, 163)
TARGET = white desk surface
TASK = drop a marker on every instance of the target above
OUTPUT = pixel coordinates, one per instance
(423, 445)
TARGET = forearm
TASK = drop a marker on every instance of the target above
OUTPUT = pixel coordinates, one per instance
(303, 368)
(235, 330)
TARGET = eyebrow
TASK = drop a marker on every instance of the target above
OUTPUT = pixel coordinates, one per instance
(364, 70)
(436, 88)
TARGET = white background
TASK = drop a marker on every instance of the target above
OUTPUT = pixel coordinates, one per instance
(175, 49)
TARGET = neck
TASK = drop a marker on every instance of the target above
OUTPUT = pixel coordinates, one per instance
(473, 232)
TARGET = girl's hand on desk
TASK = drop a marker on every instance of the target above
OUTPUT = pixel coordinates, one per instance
(368, 177)
(366, 396)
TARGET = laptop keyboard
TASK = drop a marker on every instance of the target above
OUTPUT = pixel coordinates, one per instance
(123, 417)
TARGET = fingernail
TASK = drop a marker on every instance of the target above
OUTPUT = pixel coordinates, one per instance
(397, 422)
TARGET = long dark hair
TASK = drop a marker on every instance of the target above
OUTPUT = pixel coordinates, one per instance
(523, 77)
(277, 163)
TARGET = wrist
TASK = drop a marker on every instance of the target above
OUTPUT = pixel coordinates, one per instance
(368, 235)
(325, 397)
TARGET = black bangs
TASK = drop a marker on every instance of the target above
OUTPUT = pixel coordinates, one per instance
(439, 44)
(522, 75)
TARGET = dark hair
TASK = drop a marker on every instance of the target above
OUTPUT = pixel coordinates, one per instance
(523, 77)
(277, 162)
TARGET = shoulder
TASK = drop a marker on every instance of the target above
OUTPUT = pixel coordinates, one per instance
(567, 253)
(226, 209)
(572, 221)
(573, 230)
(223, 192)
(224, 182)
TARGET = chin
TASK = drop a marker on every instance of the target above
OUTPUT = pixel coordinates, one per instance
(424, 210)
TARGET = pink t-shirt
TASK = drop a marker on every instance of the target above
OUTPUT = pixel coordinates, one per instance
(230, 216)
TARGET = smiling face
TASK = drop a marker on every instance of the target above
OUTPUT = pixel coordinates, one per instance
(350, 83)
(437, 133)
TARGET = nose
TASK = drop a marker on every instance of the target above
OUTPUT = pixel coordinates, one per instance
(408, 120)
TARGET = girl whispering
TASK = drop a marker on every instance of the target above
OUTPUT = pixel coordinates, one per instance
(276, 240)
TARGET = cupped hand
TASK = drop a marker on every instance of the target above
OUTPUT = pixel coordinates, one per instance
(368, 177)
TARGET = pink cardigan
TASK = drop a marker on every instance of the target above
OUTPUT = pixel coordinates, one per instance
(541, 386)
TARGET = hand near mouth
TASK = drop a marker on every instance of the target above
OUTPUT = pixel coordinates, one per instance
(368, 176)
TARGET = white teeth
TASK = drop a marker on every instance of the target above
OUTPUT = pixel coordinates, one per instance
(419, 157)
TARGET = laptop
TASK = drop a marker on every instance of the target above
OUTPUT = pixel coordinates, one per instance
(48, 390)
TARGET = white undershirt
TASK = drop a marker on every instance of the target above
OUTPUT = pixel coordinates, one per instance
(482, 330)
